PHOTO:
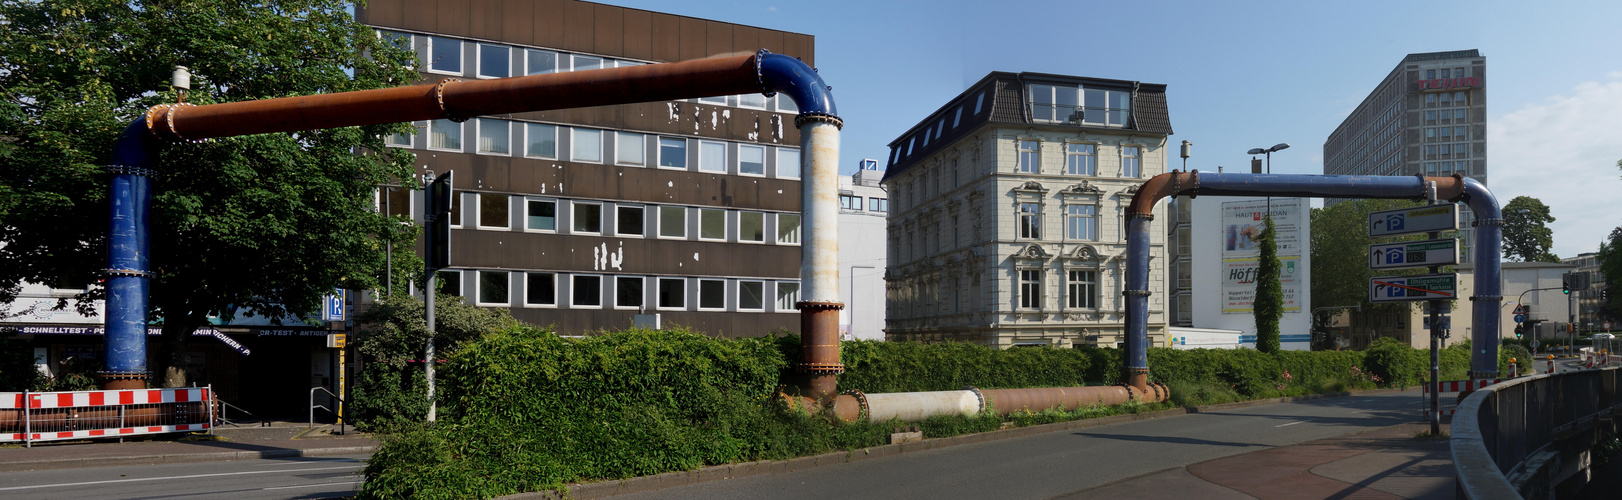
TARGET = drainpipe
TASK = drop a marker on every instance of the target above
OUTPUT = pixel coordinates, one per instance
(1483, 362)
(763, 72)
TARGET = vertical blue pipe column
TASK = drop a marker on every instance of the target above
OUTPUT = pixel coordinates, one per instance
(128, 276)
(1485, 303)
(1137, 299)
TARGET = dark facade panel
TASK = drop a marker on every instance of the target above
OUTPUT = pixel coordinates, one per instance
(773, 41)
(579, 26)
(745, 39)
(452, 18)
(549, 23)
(517, 21)
(639, 35)
(693, 39)
(383, 13)
(484, 16)
(416, 17)
(515, 250)
(717, 38)
(666, 35)
(800, 46)
(610, 32)
(725, 324)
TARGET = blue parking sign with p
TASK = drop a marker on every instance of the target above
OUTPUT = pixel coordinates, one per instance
(1393, 222)
(333, 309)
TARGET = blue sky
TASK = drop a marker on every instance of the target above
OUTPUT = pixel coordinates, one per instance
(1243, 75)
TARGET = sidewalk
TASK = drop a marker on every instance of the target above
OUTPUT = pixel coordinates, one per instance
(279, 441)
(1389, 463)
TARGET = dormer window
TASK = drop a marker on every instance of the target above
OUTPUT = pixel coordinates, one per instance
(1078, 105)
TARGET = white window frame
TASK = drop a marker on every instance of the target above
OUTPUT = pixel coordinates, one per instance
(1034, 165)
(1035, 224)
(702, 156)
(660, 156)
(574, 213)
(793, 169)
(641, 141)
(643, 208)
(762, 149)
(763, 233)
(1069, 219)
(1070, 287)
(659, 293)
(718, 100)
(410, 138)
(660, 233)
(536, 199)
(478, 218)
(478, 296)
(461, 281)
(724, 224)
(478, 136)
(429, 59)
(527, 289)
(442, 122)
(795, 237)
(698, 295)
(1070, 155)
(1026, 286)
(508, 64)
(574, 285)
(574, 144)
(764, 101)
(738, 301)
(531, 71)
(1139, 160)
(642, 299)
(530, 128)
(603, 62)
(777, 297)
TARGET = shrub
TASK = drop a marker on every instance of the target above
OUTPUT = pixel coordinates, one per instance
(878, 367)
(1395, 363)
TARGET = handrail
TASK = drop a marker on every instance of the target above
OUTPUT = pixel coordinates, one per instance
(227, 421)
(342, 426)
(1531, 419)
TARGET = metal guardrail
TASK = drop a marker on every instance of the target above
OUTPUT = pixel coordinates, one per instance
(1522, 437)
(27, 417)
(342, 426)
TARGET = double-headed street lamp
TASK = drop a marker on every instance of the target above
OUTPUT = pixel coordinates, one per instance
(1269, 152)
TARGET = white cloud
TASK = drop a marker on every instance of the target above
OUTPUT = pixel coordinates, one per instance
(1563, 151)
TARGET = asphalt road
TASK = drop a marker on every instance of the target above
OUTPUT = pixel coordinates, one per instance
(1065, 462)
(327, 477)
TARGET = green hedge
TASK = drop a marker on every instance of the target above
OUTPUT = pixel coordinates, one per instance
(525, 410)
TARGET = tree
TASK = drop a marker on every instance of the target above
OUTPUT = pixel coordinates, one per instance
(1340, 246)
(264, 223)
(1269, 305)
(1610, 265)
(1526, 237)
(390, 335)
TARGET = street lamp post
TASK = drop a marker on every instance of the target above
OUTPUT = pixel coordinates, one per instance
(1269, 153)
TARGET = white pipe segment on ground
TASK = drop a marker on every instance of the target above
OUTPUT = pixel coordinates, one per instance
(918, 406)
(819, 266)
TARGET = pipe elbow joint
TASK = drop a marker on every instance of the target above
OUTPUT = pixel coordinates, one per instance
(799, 81)
(1481, 200)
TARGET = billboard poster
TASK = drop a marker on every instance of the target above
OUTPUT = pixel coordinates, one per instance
(1241, 224)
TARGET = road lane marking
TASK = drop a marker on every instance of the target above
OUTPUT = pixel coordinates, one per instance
(111, 481)
(351, 484)
(1292, 423)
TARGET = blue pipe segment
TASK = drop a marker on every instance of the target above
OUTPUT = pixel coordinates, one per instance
(1488, 221)
(1485, 303)
(128, 274)
(797, 80)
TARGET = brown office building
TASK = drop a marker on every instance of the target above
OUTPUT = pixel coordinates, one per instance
(582, 218)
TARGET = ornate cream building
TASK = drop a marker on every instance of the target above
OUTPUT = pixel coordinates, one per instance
(1007, 219)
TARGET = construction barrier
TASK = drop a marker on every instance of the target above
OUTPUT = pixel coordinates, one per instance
(1463, 387)
(48, 416)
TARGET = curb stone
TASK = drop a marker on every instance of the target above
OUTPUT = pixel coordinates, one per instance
(604, 489)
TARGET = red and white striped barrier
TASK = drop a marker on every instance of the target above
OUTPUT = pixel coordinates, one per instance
(46, 416)
(1463, 385)
(37, 400)
(95, 433)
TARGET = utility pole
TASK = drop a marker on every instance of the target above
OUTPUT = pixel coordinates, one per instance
(1436, 335)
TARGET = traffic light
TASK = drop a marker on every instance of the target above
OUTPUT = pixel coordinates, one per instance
(1518, 330)
(1605, 295)
(437, 241)
(1565, 286)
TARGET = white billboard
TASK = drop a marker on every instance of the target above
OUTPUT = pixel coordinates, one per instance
(1241, 224)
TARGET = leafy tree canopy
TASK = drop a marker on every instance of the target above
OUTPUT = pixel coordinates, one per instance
(1527, 237)
(1610, 265)
(265, 223)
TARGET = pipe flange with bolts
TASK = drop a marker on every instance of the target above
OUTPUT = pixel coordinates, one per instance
(128, 273)
(813, 116)
(978, 396)
(861, 399)
(439, 98)
(821, 368)
(127, 169)
(168, 111)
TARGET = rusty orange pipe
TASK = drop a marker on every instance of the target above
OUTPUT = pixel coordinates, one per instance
(460, 100)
